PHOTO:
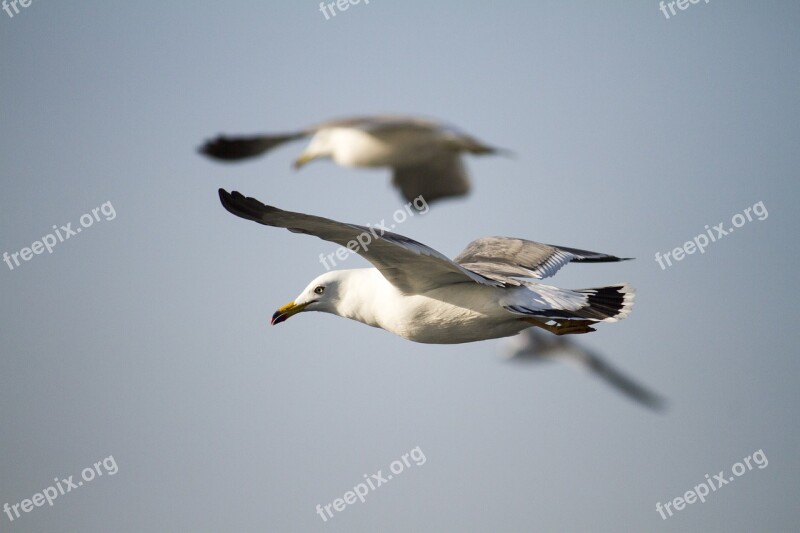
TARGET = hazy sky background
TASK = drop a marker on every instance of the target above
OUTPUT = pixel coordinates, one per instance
(146, 337)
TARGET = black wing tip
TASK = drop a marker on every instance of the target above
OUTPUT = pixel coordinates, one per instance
(657, 403)
(602, 259)
(224, 148)
(649, 399)
(224, 195)
(228, 200)
(242, 206)
(235, 148)
(503, 152)
(586, 256)
(219, 148)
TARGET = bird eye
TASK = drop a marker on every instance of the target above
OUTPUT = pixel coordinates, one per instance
(319, 290)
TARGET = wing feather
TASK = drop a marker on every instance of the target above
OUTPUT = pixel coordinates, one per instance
(506, 258)
(409, 265)
(443, 176)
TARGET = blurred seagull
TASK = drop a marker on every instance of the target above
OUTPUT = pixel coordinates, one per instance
(419, 294)
(534, 346)
(425, 156)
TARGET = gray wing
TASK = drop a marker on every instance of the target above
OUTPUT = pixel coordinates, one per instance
(389, 127)
(533, 345)
(380, 123)
(506, 258)
(618, 380)
(409, 265)
(234, 148)
(443, 176)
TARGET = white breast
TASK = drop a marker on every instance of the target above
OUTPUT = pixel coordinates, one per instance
(450, 315)
(356, 148)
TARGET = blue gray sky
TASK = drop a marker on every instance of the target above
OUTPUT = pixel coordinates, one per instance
(146, 337)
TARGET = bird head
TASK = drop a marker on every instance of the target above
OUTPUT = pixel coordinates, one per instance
(322, 294)
(319, 147)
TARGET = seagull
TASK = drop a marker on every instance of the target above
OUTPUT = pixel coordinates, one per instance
(534, 346)
(424, 155)
(419, 294)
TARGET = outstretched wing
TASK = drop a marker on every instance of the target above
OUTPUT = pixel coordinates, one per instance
(506, 258)
(241, 147)
(534, 345)
(624, 384)
(442, 176)
(409, 265)
(378, 124)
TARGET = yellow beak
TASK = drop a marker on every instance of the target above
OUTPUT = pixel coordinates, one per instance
(286, 311)
(303, 159)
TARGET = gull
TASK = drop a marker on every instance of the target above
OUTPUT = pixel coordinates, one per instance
(419, 294)
(534, 346)
(424, 155)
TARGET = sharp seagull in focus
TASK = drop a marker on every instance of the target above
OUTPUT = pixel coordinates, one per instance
(424, 155)
(419, 294)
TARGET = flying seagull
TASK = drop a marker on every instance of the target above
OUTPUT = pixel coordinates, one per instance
(534, 346)
(424, 155)
(419, 294)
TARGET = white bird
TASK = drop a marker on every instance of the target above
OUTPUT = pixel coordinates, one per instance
(424, 155)
(533, 346)
(419, 294)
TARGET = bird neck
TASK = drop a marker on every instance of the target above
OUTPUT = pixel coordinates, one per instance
(360, 293)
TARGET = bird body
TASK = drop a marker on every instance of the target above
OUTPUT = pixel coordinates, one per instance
(450, 314)
(353, 147)
(424, 155)
(417, 293)
(440, 316)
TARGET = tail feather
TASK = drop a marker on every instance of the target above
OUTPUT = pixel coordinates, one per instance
(607, 304)
(601, 304)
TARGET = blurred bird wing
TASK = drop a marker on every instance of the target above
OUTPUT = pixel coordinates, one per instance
(442, 176)
(624, 384)
(234, 148)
